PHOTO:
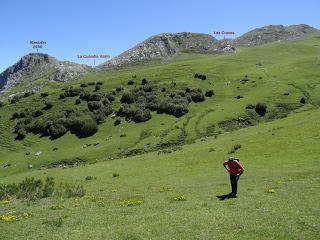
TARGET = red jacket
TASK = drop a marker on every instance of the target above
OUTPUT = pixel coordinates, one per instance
(235, 167)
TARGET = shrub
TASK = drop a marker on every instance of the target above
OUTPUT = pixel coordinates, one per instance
(130, 82)
(163, 89)
(78, 101)
(250, 106)
(238, 97)
(117, 121)
(119, 88)
(261, 108)
(144, 81)
(84, 85)
(62, 96)
(142, 115)
(146, 88)
(177, 106)
(88, 178)
(86, 96)
(203, 77)
(44, 94)
(127, 98)
(1, 104)
(21, 134)
(69, 190)
(196, 95)
(99, 83)
(15, 99)
(302, 100)
(48, 105)
(48, 188)
(110, 97)
(209, 93)
(196, 75)
(83, 125)
(55, 130)
(94, 105)
(286, 94)
(115, 175)
(37, 113)
(97, 88)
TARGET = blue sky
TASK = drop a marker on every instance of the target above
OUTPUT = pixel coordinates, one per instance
(72, 27)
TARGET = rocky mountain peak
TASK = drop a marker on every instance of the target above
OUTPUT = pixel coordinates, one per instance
(272, 33)
(39, 65)
(163, 46)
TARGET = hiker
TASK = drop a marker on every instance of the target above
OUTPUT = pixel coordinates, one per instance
(234, 167)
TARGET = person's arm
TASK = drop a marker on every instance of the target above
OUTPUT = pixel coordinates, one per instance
(240, 167)
(225, 164)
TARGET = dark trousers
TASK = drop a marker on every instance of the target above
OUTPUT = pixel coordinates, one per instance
(234, 183)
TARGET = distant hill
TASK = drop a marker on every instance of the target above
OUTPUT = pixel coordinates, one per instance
(39, 65)
(273, 33)
(163, 46)
(159, 47)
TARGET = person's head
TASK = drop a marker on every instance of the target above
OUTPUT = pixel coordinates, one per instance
(231, 158)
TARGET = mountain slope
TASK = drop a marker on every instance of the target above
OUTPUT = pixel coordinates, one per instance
(39, 65)
(164, 46)
(273, 33)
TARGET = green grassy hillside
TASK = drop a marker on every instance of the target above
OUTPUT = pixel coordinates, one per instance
(180, 158)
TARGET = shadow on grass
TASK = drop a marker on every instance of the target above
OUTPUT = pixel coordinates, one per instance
(225, 196)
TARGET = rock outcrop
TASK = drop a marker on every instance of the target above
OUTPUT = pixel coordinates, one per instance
(273, 33)
(38, 65)
(164, 46)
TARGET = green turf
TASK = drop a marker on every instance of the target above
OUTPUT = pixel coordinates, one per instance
(280, 155)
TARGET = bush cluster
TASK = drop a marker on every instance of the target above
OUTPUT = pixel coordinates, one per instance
(200, 76)
(71, 92)
(29, 189)
(176, 106)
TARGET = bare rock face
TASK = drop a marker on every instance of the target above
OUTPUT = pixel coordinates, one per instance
(164, 46)
(273, 33)
(38, 65)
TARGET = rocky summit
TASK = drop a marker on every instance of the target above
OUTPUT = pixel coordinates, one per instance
(38, 65)
(164, 46)
(273, 33)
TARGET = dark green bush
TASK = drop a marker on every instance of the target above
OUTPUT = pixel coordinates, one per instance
(177, 106)
(130, 82)
(250, 106)
(196, 95)
(44, 94)
(78, 101)
(48, 105)
(209, 93)
(128, 98)
(261, 108)
(302, 100)
(86, 96)
(37, 113)
(119, 88)
(15, 99)
(94, 105)
(110, 97)
(117, 121)
(21, 134)
(99, 83)
(97, 88)
(144, 81)
(84, 85)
